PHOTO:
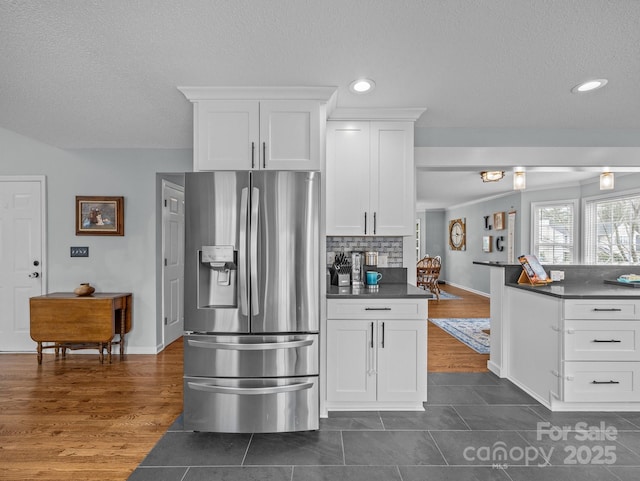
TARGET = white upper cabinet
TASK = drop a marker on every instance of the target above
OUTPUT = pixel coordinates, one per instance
(270, 129)
(348, 177)
(226, 135)
(290, 135)
(370, 178)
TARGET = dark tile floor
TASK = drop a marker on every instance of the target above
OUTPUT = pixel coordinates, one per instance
(475, 427)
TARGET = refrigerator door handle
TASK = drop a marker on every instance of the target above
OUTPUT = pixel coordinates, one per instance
(242, 256)
(249, 390)
(253, 264)
(251, 347)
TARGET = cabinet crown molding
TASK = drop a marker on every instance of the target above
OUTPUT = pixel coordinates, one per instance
(399, 114)
(321, 93)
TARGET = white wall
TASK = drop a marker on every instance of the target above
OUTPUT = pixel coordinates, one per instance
(116, 264)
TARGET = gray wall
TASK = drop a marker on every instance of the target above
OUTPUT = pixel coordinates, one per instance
(116, 264)
(431, 228)
(459, 266)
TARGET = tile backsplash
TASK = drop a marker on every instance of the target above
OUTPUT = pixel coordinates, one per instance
(389, 246)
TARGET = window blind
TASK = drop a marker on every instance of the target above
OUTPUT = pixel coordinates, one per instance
(612, 230)
(553, 232)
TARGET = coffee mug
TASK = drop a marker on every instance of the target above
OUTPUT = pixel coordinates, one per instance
(373, 277)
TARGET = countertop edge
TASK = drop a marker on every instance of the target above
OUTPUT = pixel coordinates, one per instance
(385, 291)
(543, 290)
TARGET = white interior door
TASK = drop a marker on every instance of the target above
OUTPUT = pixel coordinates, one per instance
(21, 258)
(173, 268)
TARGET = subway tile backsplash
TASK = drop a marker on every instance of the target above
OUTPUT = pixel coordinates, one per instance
(389, 246)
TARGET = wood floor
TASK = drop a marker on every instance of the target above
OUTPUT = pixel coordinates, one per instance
(75, 419)
(446, 353)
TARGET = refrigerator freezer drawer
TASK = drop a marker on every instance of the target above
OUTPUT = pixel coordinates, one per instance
(251, 405)
(251, 356)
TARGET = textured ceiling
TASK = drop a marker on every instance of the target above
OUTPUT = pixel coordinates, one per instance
(101, 74)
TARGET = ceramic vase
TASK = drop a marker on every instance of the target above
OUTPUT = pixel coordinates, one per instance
(84, 289)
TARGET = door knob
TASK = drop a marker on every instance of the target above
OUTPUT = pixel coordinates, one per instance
(34, 275)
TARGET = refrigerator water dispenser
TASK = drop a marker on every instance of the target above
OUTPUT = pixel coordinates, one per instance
(217, 277)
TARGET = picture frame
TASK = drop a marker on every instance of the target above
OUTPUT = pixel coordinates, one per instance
(487, 243)
(98, 215)
(498, 220)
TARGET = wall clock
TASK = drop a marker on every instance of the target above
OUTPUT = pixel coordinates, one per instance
(457, 234)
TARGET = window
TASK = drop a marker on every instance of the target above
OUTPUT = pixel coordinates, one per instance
(612, 230)
(553, 231)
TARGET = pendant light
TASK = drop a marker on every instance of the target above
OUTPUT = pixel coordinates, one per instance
(519, 180)
(606, 181)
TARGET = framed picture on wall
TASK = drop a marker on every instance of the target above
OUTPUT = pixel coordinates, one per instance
(99, 215)
(486, 243)
(498, 220)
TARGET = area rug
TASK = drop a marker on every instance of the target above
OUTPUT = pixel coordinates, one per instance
(468, 331)
(446, 296)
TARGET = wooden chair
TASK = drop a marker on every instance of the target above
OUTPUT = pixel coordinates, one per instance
(428, 271)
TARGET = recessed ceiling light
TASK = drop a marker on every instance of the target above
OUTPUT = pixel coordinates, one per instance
(589, 85)
(362, 86)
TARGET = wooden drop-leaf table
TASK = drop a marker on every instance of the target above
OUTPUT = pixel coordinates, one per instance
(79, 322)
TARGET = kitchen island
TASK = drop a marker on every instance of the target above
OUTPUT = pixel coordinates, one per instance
(376, 348)
(574, 345)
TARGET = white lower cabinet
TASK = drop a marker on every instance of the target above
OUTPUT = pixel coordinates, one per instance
(601, 359)
(601, 381)
(375, 364)
(575, 354)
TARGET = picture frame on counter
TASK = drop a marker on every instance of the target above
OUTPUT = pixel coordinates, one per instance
(98, 215)
(498, 220)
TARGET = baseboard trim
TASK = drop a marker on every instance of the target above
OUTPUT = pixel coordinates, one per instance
(494, 368)
(480, 293)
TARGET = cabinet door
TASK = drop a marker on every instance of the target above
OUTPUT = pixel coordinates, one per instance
(290, 135)
(392, 178)
(348, 178)
(351, 360)
(402, 360)
(226, 134)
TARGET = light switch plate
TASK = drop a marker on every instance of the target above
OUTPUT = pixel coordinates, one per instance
(79, 252)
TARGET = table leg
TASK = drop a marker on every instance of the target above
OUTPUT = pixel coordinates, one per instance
(123, 321)
(101, 347)
(39, 353)
(109, 350)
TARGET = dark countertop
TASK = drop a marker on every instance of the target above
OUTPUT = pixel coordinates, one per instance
(581, 290)
(494, 263)
(384, 291)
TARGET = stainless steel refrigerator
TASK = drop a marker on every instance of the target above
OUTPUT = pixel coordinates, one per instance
(251, 294)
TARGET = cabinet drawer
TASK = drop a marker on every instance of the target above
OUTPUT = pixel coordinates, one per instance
(601, 381)
(601, 309)
(602, 341)
(377, 309)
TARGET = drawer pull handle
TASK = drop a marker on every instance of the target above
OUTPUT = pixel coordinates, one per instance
(605, 382)
(606, 340)
(377, 308)
(612, 309)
